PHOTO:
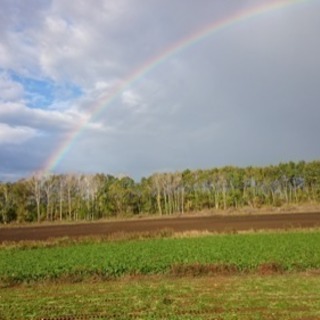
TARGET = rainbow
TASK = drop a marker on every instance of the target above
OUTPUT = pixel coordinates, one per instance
(59, 153)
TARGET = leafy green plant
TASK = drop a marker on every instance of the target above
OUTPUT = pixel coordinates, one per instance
(244, 252)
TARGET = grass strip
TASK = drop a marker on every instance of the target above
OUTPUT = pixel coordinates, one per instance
(289, 296)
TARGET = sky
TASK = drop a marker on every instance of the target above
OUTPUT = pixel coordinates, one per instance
(245, 95)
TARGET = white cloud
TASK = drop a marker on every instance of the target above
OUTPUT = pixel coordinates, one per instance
(10, 90)
(40, 119)
(60, 39)
(101, 85)
(131, 98)
(74, 41)
(15, 135)
(4, 56)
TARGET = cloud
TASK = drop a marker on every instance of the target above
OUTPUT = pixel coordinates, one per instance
(73, 43)
(247, 94)
(133, 101)
(15, 135)
(10, 90)
(44, 120)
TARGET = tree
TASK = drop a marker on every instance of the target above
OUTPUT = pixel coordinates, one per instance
(156, 185)
(92, 196)
(7, 209)
(35, 187)
(49, 183)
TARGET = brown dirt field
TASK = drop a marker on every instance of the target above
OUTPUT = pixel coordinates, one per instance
(178, 224)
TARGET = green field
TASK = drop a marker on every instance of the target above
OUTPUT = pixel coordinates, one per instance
(238, 276)
(297, 251)
(289, 296)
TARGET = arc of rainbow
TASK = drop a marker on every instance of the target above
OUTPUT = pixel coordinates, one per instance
(152, 63)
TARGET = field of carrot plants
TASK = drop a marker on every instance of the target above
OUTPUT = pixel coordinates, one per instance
(233, 253)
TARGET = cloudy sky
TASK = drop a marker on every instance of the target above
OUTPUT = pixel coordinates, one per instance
(246, 95)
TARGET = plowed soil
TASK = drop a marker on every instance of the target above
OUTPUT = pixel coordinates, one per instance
(177, 224)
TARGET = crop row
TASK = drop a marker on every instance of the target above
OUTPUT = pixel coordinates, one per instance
(245, 252)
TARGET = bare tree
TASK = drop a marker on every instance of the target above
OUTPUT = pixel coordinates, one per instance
(48, 187)
(156, 184)
(61, 191)
(35, 187)
(71, 184)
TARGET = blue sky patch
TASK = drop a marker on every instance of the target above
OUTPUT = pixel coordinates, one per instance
(41, 93)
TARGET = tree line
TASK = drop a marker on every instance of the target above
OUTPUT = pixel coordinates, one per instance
(95, 196)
